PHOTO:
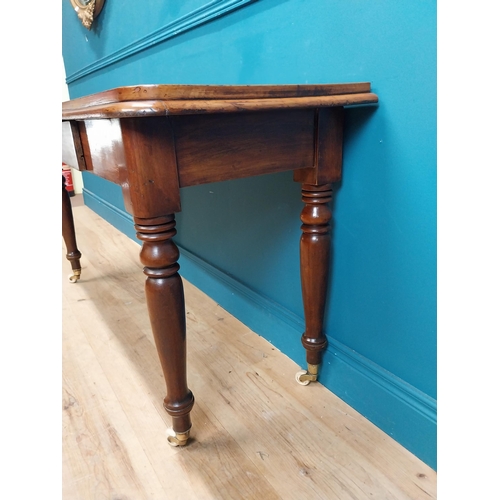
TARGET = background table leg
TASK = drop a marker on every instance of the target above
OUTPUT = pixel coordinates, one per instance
(68, 232)
(165, 298)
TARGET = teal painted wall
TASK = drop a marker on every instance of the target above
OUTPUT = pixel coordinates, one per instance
(240, 238)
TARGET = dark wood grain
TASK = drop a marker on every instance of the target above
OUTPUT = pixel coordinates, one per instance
(128, 109)
(156, 100)
(103, 148)
(213, 148)
(327, 167)
(213, 92)
(151, 165)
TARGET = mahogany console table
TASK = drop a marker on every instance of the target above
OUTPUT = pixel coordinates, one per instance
(153, 140)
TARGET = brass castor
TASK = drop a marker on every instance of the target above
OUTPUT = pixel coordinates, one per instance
(177, 438)
(305, 377)
(75, 276)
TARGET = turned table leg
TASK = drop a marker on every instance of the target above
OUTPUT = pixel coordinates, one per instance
(165, 299)
(314, 270)
(68, 232)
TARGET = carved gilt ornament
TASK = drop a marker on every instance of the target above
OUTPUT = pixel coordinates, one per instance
(87, 10)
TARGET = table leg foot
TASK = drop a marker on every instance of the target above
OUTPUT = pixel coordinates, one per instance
(177, 438)
(305, 377)
(75, 276)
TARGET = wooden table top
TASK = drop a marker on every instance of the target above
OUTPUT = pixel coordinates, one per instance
(158, 100)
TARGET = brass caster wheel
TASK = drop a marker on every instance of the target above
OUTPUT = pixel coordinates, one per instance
(299, 377)
(177, 438)
(305, 377)
(75, 276)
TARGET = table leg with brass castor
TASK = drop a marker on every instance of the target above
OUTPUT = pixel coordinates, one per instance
(165, 299)
(68, 232)
(314, 270)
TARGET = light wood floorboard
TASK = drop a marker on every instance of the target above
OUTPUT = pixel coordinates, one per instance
(257, 434)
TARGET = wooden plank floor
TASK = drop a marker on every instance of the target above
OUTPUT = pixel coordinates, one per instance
(257, 434)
